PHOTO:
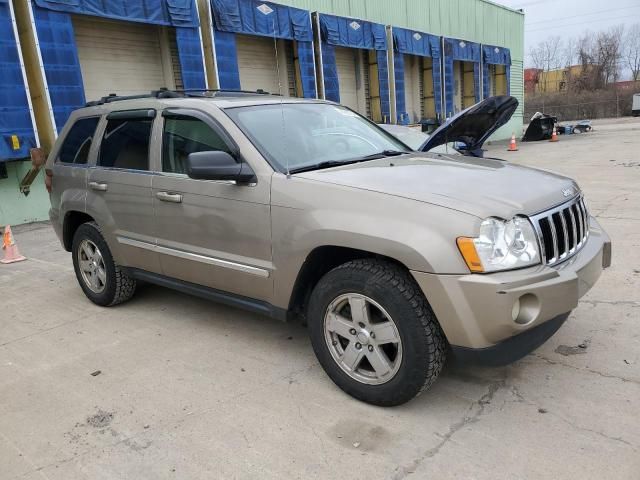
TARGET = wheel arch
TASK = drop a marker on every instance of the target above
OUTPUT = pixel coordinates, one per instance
(320, 261)
(72, 221)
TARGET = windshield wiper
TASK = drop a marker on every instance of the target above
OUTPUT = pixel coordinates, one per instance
(321, 165)
(336, 163)
(382, 154)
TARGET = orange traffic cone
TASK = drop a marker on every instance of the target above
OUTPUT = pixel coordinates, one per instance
(11, 253)
(554, 135)
(513, 147)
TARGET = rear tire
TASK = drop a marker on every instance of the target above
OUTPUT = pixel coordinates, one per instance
(103, 281)
(409, 349)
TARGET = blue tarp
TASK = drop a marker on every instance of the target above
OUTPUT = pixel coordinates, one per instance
(465, 51)
(493, 55)
(15, 117)
(252, 17)
(420, 44)
(176, 13)
(191, 60)
(353, 33)
(62, 66)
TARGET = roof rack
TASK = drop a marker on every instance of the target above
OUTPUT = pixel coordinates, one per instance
(183, 93)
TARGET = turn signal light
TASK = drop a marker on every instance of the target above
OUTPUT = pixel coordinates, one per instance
(468, 251)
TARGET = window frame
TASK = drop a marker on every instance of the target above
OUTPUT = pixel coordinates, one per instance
(93, 142)
(137, 114)
(191, 113)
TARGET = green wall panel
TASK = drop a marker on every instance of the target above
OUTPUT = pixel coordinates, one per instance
(15, 208)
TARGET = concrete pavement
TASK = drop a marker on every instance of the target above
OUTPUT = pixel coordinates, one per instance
(189, 389)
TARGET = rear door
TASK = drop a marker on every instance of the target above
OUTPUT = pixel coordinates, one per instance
(119, 189)
(211, 233)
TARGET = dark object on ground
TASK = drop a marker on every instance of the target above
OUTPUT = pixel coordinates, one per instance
(582, 127)
(540, 127)
(96, 373)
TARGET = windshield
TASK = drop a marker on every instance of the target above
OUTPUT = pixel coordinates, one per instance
(296, 136)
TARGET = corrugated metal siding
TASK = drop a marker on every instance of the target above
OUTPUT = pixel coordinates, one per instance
(517, 85)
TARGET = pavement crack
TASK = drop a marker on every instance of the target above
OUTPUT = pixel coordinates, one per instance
(595, 432)
(477, 408)
(594, 303)
(587, 370)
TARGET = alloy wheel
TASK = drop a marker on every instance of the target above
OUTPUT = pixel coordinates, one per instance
(363, 339)
(92, 268)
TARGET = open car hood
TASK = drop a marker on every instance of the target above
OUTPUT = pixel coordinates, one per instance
(474, 125)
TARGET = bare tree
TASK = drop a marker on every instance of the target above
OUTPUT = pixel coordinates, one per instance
(609, 52)
(631, 51)
(599, 55)
(569, 52)
(546, 56)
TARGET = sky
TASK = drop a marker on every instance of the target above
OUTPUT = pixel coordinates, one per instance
(571, 18)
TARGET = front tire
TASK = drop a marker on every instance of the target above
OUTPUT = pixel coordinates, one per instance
(374, 333)
(103, 281)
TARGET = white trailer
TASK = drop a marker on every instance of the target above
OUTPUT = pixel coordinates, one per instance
(635, 107)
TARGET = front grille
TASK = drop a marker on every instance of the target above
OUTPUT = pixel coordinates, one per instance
(562, 231)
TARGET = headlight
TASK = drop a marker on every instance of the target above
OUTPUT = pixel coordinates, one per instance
(501, 245)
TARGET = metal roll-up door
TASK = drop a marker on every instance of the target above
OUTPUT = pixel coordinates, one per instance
(258, 66)
(347, 78)
(413, 87)
(125, 58)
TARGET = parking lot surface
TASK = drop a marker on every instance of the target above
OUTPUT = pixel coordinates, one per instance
(171, 386)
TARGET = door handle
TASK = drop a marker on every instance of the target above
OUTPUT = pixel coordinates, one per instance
(169, 197)
(101, 187)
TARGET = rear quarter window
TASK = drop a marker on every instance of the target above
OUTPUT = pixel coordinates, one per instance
(76, 145)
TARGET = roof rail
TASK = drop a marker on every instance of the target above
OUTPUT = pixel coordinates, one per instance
(166, 93)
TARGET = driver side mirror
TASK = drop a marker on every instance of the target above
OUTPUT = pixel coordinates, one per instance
(218, 165)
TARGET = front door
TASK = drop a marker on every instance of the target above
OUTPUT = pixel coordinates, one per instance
(211, 233)
(119, 194)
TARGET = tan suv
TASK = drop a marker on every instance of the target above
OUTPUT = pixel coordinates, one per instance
(298, 208)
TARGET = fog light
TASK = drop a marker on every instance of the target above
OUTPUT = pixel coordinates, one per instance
(526, 309)
(515, 310)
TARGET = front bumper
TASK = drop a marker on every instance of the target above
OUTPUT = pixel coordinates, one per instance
(476, 311)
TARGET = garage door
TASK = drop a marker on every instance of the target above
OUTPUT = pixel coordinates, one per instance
(413, 87)
(122, 57)
(257, 64)
(347, 79)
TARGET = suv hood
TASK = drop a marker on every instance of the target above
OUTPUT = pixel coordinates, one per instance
(474, 125)
(478, 186)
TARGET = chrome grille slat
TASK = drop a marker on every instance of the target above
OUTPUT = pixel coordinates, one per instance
(565, 234)
(573, 227)
(578, 215)
(562, 231)
(554, 241)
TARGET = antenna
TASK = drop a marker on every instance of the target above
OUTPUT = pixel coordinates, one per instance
(284, 128)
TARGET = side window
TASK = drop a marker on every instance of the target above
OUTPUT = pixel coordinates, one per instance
(126, 144)
(185, 135)
(76, 145)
